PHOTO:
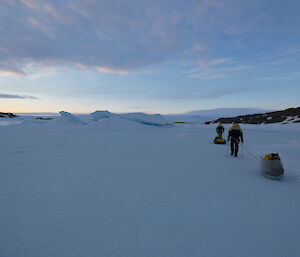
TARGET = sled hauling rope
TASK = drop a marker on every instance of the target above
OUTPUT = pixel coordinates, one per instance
(252, 154)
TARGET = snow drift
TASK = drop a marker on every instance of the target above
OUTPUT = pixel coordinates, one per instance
(147, 119)
(115, 122)
(9, 122)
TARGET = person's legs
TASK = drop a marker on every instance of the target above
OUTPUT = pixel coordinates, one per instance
(236, 146)
(232, 146)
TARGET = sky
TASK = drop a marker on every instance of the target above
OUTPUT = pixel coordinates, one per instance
(159, 56)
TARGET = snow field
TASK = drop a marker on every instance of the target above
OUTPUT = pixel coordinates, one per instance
(144, 191)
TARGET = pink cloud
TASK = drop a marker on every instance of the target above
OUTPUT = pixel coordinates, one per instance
(11, 73)
(112, 71)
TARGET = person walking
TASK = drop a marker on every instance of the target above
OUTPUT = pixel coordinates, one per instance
(220, 130)
(235, 134)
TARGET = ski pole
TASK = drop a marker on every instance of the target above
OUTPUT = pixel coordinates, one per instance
(243, 150)
(227, 150)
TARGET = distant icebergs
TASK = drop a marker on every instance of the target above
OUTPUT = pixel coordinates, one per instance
(98, 115)
(143, 118)
(71, 119)
(147, 119)
(115, 122)
(104, 119)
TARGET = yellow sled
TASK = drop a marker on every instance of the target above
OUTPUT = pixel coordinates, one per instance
(219, 140)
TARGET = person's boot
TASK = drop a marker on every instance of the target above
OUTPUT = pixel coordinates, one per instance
(231, 153)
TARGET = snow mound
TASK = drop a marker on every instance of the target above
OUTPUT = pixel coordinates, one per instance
(116, 122)
(143, 118)
(71, 119)
(147, 119)
(98, 115)
(9, 122)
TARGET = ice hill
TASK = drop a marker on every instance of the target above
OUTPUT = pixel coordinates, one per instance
(99, 115)
(291, 115)
(71, 119)
(139, 117)
(98, 118)
(147, 119)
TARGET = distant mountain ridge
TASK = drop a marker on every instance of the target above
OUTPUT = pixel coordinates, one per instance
(291, 115)
(200, 116)
(224, 112)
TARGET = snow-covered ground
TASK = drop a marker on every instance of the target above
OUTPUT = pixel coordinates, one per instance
(9, 121)
(117, 187)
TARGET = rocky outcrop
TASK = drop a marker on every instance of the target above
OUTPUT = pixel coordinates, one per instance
(44, 118)
(291, 115)
(7, 115)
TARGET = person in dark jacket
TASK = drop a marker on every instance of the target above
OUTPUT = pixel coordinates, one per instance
(220, 130)
(235, 135)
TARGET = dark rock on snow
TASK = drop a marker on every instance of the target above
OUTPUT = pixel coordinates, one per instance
(44, 118)
(7, 115)
(292, 114)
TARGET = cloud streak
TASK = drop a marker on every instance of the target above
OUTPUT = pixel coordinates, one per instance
(200, 95)
(9, 96)
(216, 69)
(283, 76)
